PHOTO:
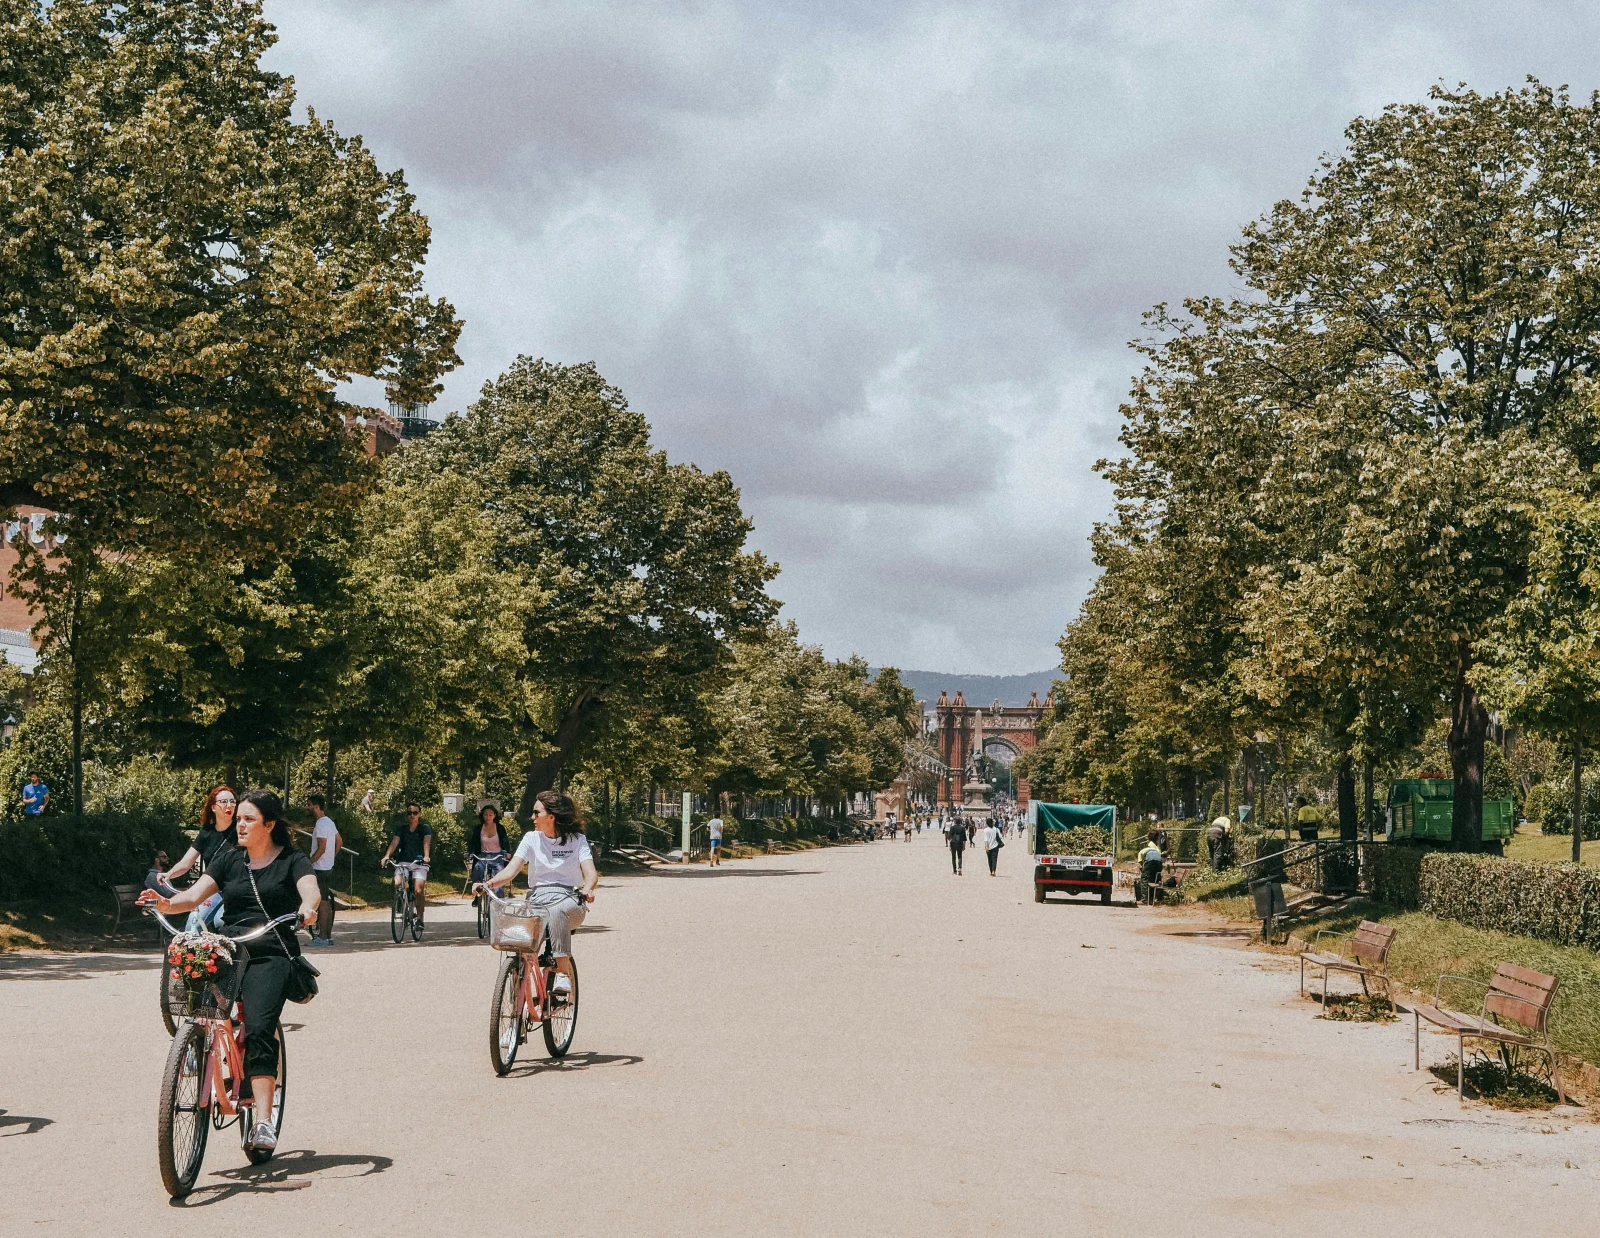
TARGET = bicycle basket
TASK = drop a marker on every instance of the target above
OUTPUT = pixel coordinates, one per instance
(513, 925)
(209, 997)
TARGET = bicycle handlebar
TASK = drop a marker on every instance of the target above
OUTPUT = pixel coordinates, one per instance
(243, 939)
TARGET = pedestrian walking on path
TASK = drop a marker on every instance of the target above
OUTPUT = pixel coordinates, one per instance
(325, 843)
(957, 834)
(714, 833)
(992, 844)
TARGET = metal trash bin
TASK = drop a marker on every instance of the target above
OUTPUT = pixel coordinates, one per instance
(1268, 892)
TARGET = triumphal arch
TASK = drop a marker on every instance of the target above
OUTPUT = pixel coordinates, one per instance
(1004, 732)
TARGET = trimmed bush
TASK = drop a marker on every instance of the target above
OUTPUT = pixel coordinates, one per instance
(1553, 902)
(1554, 803)
(1395, 872)
(49, 854)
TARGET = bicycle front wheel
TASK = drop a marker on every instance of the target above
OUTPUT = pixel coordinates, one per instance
(483, 916)
(182, 1126)
(561, 1020)
(505, 1014)
(171, 994)
(397, 914)
(259, 1156)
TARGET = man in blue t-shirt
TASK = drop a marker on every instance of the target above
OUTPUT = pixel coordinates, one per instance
(35, 795)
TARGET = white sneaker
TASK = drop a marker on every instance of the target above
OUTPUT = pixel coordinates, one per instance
(561, 987)
(264, 1137)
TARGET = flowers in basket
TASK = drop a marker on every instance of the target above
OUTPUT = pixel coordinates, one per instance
(196, 958)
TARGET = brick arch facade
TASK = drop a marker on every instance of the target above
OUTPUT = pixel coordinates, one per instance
(963, 728)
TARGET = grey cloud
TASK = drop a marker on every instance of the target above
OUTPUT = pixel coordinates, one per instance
(877, 260)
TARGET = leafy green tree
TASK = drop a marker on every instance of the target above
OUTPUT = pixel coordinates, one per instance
(1541, 665)
(638, 564)
(1440, 275)
(189, 272)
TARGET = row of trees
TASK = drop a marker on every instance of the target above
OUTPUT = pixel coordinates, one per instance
(190, 275)
(1360, 496)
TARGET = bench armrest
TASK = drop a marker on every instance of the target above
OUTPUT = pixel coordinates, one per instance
(1443, 976)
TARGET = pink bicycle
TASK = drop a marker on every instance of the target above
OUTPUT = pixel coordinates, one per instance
(523, 994)
(204, 1086)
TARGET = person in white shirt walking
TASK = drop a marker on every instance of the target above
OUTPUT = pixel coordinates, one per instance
(714, 834)
(325, 844)
(992, 843)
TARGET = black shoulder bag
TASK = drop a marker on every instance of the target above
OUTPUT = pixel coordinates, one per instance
(302, 986)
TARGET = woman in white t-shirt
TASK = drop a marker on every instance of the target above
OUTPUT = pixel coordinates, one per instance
(561, 875)
(992, 843)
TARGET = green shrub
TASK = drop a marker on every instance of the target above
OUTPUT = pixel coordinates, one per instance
(1553, 902)
(1395, 872)
(49, 854)
(1556, 805)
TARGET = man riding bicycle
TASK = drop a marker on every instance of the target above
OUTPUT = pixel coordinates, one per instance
(414, 843)
(561, 877)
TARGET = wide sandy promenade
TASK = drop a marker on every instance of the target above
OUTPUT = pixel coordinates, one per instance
(847, 1041)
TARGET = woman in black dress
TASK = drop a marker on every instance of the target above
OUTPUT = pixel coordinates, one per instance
(216, 834)
(260, 879)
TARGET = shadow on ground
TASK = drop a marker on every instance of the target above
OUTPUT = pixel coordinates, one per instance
(573, 1061)
(288, 1171)
(17, 1124)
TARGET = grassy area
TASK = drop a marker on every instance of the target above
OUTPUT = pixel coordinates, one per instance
(1535, 846)
(1425, 946)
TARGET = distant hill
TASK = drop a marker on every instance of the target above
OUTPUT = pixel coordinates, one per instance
(979, 689)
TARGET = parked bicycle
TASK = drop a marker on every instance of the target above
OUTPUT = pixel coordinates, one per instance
(403, 917)
(524, 988)
(204, 1086)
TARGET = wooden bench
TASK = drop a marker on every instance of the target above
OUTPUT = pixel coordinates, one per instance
(127, 902)
(1369, 956)
(1518, 994)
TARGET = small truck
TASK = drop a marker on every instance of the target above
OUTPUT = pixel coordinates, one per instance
(1053, 869)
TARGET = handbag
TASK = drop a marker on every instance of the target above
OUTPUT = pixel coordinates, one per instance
(302, 985)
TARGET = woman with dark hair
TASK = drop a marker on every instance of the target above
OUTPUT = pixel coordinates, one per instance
(488, 848)
(561, 877)
(216, 834)
(260, 879)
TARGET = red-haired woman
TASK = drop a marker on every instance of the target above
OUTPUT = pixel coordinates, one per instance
(216, 833)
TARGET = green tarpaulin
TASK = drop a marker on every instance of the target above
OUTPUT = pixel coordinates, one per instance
(1071, 816)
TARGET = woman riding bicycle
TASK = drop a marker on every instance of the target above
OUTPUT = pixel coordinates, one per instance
(561, 876)
(216, 835)
(488, 848)
(260, 879)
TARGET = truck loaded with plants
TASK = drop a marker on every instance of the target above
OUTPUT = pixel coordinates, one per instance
(1073, 848)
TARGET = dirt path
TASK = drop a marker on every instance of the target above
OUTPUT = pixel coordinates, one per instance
(847, 1041)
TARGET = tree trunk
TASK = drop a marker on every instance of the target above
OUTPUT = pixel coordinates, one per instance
(1227, 791)
(1577, 796)
(1368, 809)
(1347, 801)
(77, 703)
(1191, 794)
(411, 773)
(1469, 724)
(545, 771)
(332, 773)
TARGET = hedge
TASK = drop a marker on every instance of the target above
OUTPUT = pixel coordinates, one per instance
(1553, 902)
(1395, 874)
(54, 853)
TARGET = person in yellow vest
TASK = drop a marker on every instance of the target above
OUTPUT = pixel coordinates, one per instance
(1307, 818)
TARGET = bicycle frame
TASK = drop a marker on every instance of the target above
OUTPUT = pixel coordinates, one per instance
(534, 990)
(223, 1045)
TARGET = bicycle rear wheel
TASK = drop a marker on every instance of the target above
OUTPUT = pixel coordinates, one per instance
(181, 1125)
(397, 913)
(561, 1021)
(260, 1156)
(505, 1014)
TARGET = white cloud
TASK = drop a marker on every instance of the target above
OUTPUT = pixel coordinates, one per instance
(878, 261)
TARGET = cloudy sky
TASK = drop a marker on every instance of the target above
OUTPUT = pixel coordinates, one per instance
(880, 261)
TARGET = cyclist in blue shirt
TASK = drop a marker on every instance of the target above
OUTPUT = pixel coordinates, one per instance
(35, 795)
